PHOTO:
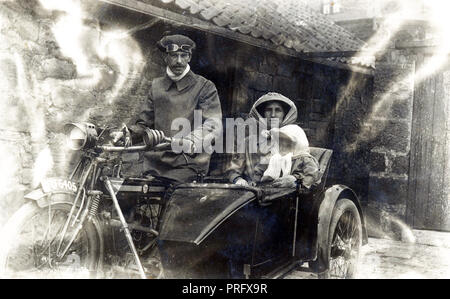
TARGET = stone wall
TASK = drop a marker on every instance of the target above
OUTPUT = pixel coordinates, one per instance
(333, 105)
(351, 140)
(243, 73)
(310, 86)
(46, 85)
(391, 128)
(389, 122)
(43, 87)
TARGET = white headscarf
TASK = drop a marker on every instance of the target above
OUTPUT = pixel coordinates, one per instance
(289, 118)
(292, 140)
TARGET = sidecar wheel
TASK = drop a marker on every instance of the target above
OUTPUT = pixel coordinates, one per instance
(344, 241)
(29, 241)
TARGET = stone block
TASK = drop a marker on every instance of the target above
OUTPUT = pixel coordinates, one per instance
(26, 176)
(250, 63)
(388, 190)
(63, 96)
(318, 106)
(286, 86)
(269, 64)
(27, 28)
(105, 115)
(285, 68)
(400, 164)
(393, 100)
(392, 135)
(257, 94)
(316, 116)
(377, 162)
(303, 109)
(46, 36)
(55, 68)
(26, 158)
(259, 81)
(305, 68)
(402, 108)
(396, 105)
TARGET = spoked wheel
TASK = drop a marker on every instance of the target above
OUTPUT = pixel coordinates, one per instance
(30, 239)
(344, 241)
(152, 264)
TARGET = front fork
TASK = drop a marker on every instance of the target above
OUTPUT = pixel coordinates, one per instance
(110, 189)
(93, 198)
(88, 214)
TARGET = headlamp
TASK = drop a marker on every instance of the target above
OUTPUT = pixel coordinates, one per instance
(80, 135)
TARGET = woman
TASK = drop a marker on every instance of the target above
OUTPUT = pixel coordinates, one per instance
(288, 163)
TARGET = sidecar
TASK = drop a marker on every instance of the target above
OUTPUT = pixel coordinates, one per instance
(217, 230)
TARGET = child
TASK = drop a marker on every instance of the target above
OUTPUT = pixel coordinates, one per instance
(289, 163)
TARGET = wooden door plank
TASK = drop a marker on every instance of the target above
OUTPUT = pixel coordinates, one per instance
(428, 205)
(446, 162)
(414, 154)
(434, 212)
(425, 171)
(426, 101)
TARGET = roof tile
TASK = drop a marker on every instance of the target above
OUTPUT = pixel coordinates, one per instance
(222, 20)
(284, 22)
(184, 4)
(210, 13)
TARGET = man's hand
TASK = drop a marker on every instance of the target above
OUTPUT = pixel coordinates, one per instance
(116, 135)
(241, 182)
(183, 145)
(122, 135)
(285, 182)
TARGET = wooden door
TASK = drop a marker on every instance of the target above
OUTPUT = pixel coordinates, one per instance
(429, 176)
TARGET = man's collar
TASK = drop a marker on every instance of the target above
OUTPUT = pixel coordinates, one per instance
(183, 83)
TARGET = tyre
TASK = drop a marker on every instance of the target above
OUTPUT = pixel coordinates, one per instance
(29, 241)
(344, 241)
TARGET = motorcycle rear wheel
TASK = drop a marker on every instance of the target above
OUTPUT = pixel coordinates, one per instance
(30, 238)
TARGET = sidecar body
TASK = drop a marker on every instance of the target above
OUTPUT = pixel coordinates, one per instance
(216, 230)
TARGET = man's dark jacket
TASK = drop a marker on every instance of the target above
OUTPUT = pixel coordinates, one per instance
(169, 100)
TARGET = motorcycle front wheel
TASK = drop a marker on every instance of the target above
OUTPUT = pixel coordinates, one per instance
(29, 242)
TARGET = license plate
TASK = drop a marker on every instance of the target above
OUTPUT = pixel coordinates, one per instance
(58, 184)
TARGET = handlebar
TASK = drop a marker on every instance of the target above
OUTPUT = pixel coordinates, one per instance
(136, 148)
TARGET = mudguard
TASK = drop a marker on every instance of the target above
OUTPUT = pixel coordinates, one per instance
(315, 219)
(43, 197)
(331, 195)
(49, 186)
(195, 210)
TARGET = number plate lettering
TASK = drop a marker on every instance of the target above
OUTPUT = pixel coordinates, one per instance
(58, 184)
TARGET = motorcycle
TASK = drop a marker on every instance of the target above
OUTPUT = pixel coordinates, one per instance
(77, 222)
(160, 228)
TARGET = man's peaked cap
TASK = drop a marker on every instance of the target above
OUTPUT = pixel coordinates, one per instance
(176, 39)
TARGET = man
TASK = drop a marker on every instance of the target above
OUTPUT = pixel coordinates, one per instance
(290, 164)
(177, 95)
